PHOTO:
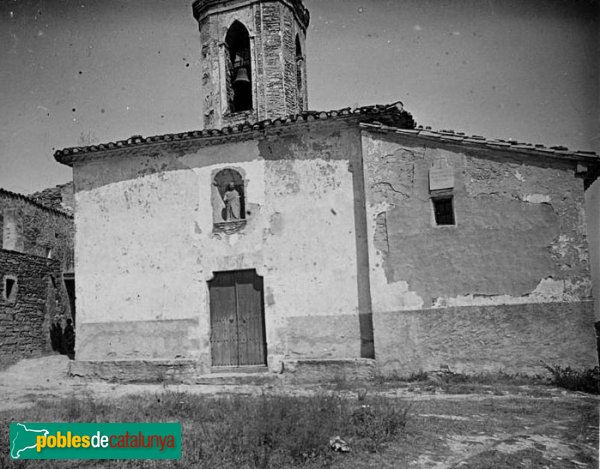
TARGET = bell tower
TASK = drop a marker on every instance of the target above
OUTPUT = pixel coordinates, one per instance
(253, 60)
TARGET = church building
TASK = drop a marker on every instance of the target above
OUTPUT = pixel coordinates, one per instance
(283, 240)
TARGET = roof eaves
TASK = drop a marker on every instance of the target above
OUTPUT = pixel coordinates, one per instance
(449, 136)
(70, 155)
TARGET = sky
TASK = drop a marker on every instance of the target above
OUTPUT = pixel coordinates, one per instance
(79, 72)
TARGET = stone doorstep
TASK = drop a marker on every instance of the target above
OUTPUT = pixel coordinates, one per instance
(297, 371)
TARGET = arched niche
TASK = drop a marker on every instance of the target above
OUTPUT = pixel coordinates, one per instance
(228, 200)
(238, 66)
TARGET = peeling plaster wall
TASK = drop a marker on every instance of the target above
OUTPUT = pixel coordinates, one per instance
(519, 239)
(592, 196)
(146, 247)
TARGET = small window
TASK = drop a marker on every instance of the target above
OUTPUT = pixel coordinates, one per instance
(10, 289)
(443, 210)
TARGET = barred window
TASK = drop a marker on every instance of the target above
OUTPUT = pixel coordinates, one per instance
(443, 210)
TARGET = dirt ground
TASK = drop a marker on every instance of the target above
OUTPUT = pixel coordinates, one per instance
(489, 427)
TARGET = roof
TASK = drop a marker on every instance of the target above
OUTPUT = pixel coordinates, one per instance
(393, 114)
(469, 141)
(24, 198)
(383, 118)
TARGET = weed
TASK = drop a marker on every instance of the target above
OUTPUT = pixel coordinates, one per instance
(418, 376)
(455, 382)
(575, 380)
(378, 422)
(341, 382)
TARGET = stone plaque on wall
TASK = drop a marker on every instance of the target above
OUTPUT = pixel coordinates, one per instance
(441, 175)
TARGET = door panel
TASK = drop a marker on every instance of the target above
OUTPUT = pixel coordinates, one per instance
(223, 320)
(237, 319)
(250, 319)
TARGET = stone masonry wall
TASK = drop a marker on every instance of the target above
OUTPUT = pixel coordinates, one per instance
(279, 29)
(37, 295)
(289, 63)
(58, 197)
(36, 247)
(41, 231)
(272, 27)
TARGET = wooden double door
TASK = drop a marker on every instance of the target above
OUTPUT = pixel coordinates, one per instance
(237, 319)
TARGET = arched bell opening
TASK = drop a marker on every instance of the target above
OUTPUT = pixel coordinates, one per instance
(239, 68)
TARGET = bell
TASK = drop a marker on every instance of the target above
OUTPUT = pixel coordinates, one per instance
(241, 77)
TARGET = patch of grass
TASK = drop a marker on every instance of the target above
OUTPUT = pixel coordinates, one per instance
(457, 383)
(379, 422)
(238, 431)
(445, 381)
(284, 431)
(575, 380)
(341, 382)
(6, 362)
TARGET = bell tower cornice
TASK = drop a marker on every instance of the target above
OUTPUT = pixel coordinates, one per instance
(204, 8)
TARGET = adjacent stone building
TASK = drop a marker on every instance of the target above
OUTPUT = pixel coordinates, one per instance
(286, 238)
(36, 270)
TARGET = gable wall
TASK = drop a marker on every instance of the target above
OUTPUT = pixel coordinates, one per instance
(146, 247)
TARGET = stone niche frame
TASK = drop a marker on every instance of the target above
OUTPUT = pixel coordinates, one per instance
(225, 226)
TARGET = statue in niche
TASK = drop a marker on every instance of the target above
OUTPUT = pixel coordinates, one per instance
(228, 196)
(232, 203)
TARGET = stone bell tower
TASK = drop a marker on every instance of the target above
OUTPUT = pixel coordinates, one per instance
(253, 59)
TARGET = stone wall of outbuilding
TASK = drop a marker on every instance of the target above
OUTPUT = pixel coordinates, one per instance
(36, 295)
(36, 248)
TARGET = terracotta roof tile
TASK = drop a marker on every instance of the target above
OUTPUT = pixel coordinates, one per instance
(392, 112)
(377, 117)
(478, 141)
